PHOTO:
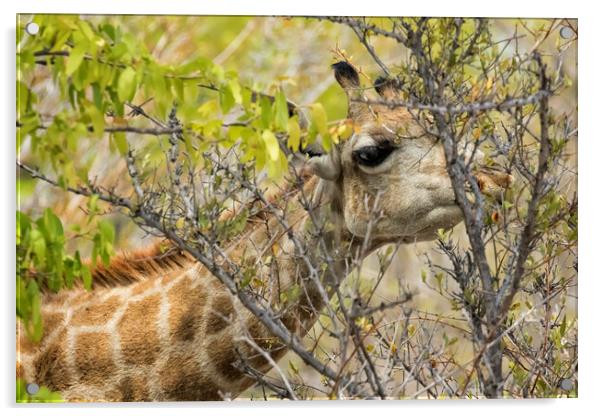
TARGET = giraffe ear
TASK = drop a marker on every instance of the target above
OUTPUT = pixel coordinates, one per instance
(346, 76)
(388, 88)
(349, 80)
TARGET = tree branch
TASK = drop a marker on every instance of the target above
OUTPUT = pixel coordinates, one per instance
(454, 109)
(511, 283)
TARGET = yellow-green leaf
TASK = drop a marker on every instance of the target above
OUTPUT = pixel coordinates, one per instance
(319, 118)
(75, 59)
(236, 91)
(97, 118)
(120, 142)
(126, 85)
(320, 124)
(271, 144)
(86, 277)
(226, 98)
(294, 134)
(266, 112)
(280, 111)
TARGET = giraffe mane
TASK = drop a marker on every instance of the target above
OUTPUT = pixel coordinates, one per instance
(131, 267)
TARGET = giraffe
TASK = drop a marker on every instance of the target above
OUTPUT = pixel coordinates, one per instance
(158, 326)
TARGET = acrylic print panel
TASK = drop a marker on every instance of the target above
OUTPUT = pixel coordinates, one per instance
(269, 208)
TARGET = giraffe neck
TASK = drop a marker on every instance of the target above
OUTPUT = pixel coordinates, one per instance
(179, 334)
(308, 262)
(318, 254)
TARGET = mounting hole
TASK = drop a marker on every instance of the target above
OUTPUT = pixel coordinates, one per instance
(32, 388)
(566, 32)
(566, 384)
(32, 28)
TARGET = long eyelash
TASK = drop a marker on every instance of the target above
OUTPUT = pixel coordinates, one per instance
(373, 155)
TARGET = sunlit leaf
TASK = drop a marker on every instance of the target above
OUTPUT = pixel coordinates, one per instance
(120, 142)
(280, 111)
(271, 144)
(75, 59)
(126, 84)
(294, 134)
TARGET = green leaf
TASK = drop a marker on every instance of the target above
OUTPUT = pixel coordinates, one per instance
(271, 144)
(86, 29)
(107, 230)
(126, 85)
(97, 118)
(23, 226)
(53, 226)
(236, 91)
(76, 57)
(294, 134)
(280, 111)
(226, 98)
(120, 142)
(24, 100)
(86, 277)
(319, 122)
(97, 96)
(34, 329)
(38, 246)
(92, 206)
(319, 118)
(266, 112)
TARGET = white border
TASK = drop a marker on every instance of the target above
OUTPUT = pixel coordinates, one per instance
(590, 150)
(507, 8)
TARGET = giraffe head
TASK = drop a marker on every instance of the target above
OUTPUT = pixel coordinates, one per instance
(390, 175)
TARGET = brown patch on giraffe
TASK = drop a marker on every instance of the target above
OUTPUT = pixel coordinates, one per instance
(50, 367)
(186, 307)
(56, 298)
(220, 314)
(113, 395)
(216, 284)
(259, 333)
(142, 286)
(24, 343)
(138, 331)
(290, 321)
(94, 357)
(224, 358)
(170, 277)
(133, 389)
(309, 305)
(96, 313)
(183, 379)
(20, 370)
(307, 314)
(82, 298)
(52, 320)
(261, 363)
(266, 341)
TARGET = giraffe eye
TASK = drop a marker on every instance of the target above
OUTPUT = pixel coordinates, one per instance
(372, 155)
